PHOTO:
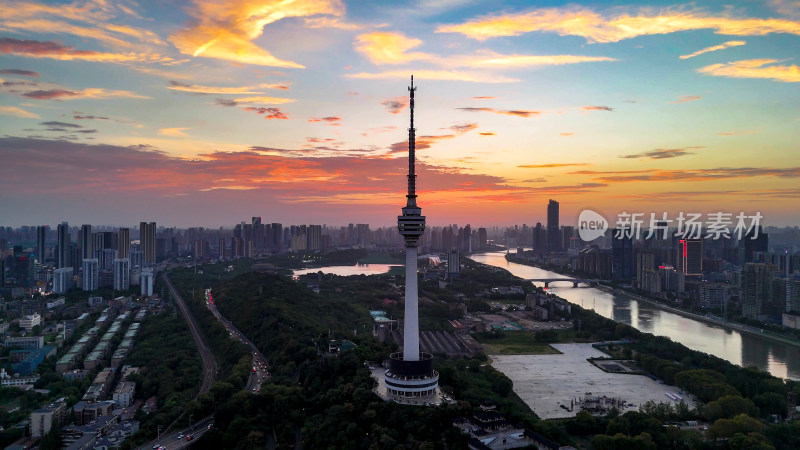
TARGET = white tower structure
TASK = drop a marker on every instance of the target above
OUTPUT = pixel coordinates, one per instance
(411, 373)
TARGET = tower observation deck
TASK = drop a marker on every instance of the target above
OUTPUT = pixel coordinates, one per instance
(411, 373)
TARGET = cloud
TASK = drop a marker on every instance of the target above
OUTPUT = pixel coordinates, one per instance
(662, 153)
(238, 90)
(486, 133)
(714, 48)
(98, 20)
(445, 75)
(517, 112)
(173, 132)
(17, 112)
(395, 105)
(614, 27)
(53, 50)
(330, 22)
(225, 102)
(464, 128)
(597, 108)
(383, 47)
(226, 30)
(566, 134)
(264, 100)
(550, 166)
(78, 116)
(269, 113)
(65, 94)
(61, 124)
(687, 98)
(25, 73)
(333, 121)
(722, 173)
(754, 68)
(485, 97)
(488, 59)
(421, 143)
(738, 133)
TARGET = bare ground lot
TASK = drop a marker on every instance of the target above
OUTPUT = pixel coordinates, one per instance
(544, 382)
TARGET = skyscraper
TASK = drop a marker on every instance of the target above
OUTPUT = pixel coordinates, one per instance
(90, 275)
(41, 238)
(147, 237)
(411, 373)
(86, 242)
(124, 243)
(63, 246)
(553, 234)
(122, 274)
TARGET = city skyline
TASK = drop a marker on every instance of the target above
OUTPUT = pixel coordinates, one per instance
(201, 113)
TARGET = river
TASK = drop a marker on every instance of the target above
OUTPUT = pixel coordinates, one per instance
(781, 360)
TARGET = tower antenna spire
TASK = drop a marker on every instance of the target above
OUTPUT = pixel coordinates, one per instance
(412, 177)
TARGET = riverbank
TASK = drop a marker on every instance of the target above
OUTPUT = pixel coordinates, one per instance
(747, 329)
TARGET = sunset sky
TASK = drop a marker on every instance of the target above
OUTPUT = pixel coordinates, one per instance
(207, 112)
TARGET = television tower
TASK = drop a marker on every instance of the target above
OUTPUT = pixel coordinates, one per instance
(411, 373)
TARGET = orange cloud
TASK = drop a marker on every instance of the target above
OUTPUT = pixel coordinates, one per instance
(395, 105)
(173, 132)
(269, 113)
(489, 59)
(690, 175)
(687, 98)
(17, 112)
(566, 134)
(53, 50)
(92, 20)
(486, 133)
(174, 85)
(738, 133)
(714, 48)
(550, 166)
(518, 113)
(65, 94)
(598, 108)
(333, 121)
(383, 47)
(597, 28)
(226, 30)
(754, 68)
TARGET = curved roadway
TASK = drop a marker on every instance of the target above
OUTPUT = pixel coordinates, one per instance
(209, 363)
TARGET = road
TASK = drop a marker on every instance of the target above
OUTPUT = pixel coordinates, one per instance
(179, 439)
(260, 371)
(209, 363)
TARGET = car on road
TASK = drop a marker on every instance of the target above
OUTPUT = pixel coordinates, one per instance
(180, 436)
(188, 437)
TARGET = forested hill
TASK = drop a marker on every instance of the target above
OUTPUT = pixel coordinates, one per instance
(286, 320)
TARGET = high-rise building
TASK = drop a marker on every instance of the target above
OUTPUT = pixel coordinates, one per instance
(41, 239)
(147, 237)
(553, 233)
(90, 276)
(86, 242)
(453, 262)
(63, 246)
(106, 257)
(411, 373)
(314, 237)
(62, 280)
(146, 283)
(124, 243)
(276, 237)
(756, 288)
(483, 238)
(690, 256)
(122, 274)
(753, 243)
(622, 262)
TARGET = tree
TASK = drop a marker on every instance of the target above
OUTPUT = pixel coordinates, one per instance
(729, 406)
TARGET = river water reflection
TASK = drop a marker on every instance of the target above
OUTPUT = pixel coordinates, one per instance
(779, 359)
